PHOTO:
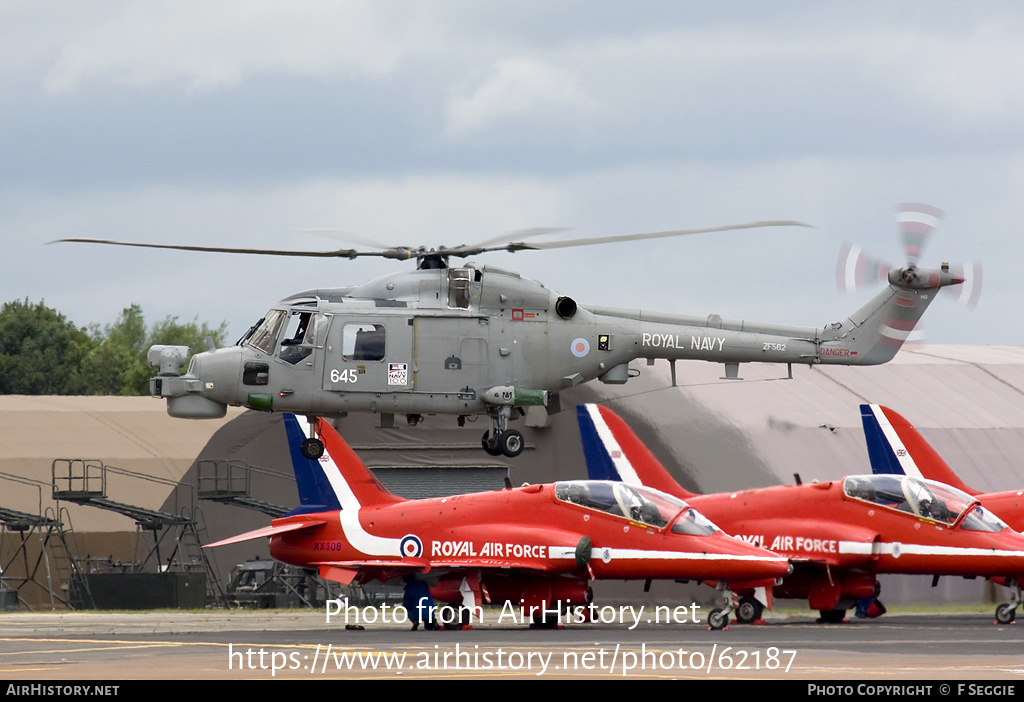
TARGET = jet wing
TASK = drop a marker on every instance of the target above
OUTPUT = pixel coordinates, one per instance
(423, 566)
(502, 565)
(266, 531)
(345, 572)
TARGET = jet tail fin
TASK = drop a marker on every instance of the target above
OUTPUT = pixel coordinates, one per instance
(896, 447)
(614, 452)
(338, 479)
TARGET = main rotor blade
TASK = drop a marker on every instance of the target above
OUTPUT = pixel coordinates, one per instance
(403, 253)
(517, 234)
(340, 253)
(517, 246)
(460, 250)
(345, 235)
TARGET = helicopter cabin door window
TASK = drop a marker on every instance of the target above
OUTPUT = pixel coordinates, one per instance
(459, 280)
(363, 342)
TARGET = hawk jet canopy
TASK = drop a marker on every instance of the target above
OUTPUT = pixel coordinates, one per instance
(924, 498)
(648, 506)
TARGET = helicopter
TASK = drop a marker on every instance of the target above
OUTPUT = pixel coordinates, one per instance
(470, 340)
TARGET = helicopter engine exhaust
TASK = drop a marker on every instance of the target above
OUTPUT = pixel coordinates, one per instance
(566, 307)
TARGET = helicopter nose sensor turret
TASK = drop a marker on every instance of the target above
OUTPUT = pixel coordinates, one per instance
(167, 358)
(184, 400)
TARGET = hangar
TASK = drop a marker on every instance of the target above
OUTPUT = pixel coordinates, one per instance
(714, 434)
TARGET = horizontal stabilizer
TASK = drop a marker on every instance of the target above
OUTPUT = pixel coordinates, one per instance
(417, 565)
(344, 576)
(265, 532)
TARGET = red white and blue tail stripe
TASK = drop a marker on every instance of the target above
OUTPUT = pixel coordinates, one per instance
(895, 447)
(614, 452)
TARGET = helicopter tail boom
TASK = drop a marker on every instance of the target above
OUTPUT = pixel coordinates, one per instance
(870, 336)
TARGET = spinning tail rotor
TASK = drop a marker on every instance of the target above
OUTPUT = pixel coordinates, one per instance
(916, 223)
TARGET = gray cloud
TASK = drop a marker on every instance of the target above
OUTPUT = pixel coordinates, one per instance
(447, 122)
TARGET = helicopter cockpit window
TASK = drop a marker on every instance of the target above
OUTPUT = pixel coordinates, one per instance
(363, 342)
(651, 507)
(299, 338)
(458, 288)
(265, 336)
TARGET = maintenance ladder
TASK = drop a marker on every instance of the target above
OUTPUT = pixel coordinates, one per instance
(84, 482)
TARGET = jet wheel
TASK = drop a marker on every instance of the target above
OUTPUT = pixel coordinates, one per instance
(455, 617)
(749, 610)
(718, 619)
(545, 620)
(490, 447)
(832, 616)
(312, 449)
(1005, 613)
(511, 442)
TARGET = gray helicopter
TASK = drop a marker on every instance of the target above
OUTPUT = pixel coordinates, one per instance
(468, 340)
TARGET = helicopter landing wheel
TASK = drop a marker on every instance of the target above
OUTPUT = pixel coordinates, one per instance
(511, 443)
(490, 447)
(312, 449)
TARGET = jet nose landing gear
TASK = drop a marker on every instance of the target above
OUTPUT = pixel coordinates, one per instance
(718, 618)
(1006, 613)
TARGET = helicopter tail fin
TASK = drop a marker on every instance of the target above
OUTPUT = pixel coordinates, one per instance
(874, 333)
(896, 447)
(338, 479)
(614, 452)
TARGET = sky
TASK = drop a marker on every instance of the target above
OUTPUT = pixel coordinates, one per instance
(445, 122)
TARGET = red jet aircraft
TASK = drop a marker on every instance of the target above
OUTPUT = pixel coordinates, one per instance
(537, 547)
(896, 448)
(838, 534)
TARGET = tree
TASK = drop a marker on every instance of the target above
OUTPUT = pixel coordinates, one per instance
(112, 366)
(41, 351)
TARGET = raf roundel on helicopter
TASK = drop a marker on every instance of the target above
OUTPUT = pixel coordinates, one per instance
(468, 340)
